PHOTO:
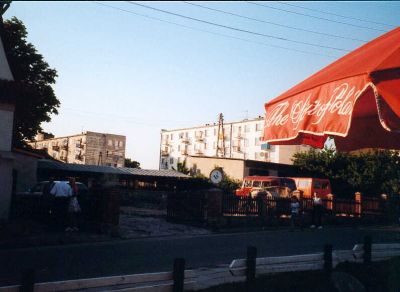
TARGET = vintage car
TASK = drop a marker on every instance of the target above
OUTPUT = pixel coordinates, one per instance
(271, 186)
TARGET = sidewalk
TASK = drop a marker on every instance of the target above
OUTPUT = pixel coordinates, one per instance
(133, 223)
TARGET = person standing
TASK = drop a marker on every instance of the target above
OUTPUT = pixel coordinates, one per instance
(61, 191)
(317, 212)
(73, 207)
(47, 201)
(295, 212)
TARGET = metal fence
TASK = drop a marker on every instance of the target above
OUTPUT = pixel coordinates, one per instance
(263, 206)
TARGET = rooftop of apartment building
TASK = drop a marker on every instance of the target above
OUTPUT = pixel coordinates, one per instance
(77, 135)
(259, 118)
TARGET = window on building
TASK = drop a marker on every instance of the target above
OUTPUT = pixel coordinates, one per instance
(179, 160)
(226, 150)
(246, 142)
(205, 146)
(121, 143)
(179, 147)
(206, 133)
(162, 160)
(181, 134)
(172, 136)
(259, 127)
(247, 128)
(235, 129)
(171, 160)
(257, 141)
(239, 129)
(215, 131)
(110, 142)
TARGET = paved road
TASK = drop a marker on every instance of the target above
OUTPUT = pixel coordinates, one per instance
(155, 255)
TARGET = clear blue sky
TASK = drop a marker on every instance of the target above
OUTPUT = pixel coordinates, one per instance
(127, 74)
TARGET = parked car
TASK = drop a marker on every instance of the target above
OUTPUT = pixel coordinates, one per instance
(271, 186)
(309, 185)
(33, 204)
(37, 189)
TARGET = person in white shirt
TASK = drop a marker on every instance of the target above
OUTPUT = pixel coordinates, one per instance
(317, 212)
(61, 189)
(62, 192)
(295, 212)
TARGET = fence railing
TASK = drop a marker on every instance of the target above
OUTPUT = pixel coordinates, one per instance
(246, 269)
(267, 206)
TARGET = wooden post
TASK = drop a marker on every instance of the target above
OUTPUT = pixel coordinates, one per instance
(27, 280)
(328, 258)
(179, 274)
(251, 267)
(367, 249)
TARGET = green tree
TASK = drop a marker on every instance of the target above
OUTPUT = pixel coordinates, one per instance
(132, 163)
(181, 167)
(229, 185)
(33, 94)
(372, 173)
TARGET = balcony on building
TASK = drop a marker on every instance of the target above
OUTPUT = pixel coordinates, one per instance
(184, 152)
(199, 136)
(164, 153)
(56, 148)
(239, 136)
(199, 152)
(185, 140)
(237, 149)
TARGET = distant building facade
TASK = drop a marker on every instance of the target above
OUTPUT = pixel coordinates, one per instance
(88, 148)
(239, 140)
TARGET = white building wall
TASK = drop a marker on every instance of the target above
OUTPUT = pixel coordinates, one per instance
(242, 140)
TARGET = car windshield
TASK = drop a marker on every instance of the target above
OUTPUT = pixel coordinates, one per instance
(37, 188)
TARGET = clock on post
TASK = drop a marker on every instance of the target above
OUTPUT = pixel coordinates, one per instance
(216, 175)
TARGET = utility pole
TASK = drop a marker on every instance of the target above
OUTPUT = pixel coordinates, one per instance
(220, 136)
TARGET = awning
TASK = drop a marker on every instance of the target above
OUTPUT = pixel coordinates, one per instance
(356, 99)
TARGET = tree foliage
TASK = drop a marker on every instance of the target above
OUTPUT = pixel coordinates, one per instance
(132, 163)
(36, 100)
(229, 185)
(181, 167)
(371, 173)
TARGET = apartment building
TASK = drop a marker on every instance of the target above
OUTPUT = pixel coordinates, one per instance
(239, 140)
(88, 148)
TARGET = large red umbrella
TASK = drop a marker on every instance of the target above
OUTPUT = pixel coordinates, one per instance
(356, 99)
